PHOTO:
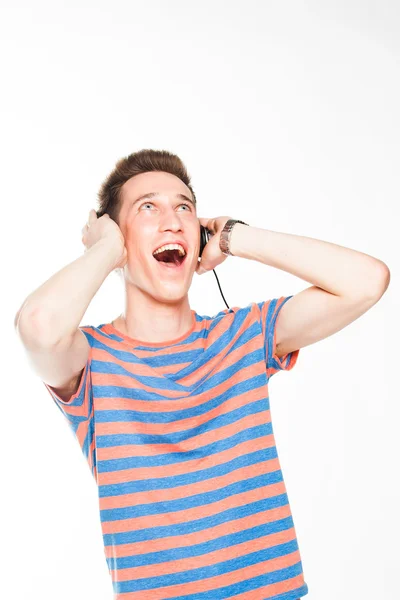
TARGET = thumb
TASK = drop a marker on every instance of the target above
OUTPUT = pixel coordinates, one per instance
(200, 269)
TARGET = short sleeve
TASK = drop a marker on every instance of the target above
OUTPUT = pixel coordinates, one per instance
(269, 313)
(78, 410)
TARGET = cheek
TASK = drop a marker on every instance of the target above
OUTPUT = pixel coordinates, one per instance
(139, 255)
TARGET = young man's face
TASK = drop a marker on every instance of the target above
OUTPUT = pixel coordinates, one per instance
(149, 223)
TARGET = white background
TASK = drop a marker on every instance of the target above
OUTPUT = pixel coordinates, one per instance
(287, 117)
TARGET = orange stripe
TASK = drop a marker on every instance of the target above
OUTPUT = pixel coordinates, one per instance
(190, 489)
(213, 558)
(139, 369)
(210, 534)
(223, 580)
(194, 443)
(228, 405)
(191, 466)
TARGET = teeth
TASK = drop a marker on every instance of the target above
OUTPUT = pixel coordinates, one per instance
(171, 247)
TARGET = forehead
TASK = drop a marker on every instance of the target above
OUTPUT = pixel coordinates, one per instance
(154, 181)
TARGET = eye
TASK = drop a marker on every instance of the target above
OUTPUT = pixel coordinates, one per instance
(182, 204)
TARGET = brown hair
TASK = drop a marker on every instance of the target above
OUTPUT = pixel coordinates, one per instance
(109, 195)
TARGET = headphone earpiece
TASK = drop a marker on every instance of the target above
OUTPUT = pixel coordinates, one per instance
(204, 237)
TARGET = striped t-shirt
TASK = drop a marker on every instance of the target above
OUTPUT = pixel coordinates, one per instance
(179, 440)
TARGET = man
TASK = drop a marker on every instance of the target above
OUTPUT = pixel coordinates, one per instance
(171, 408)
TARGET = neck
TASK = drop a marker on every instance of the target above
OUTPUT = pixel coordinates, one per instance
(148, 320)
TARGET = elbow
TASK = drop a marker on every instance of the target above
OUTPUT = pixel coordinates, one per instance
(28, 326)
(372, 285)
(379, 281)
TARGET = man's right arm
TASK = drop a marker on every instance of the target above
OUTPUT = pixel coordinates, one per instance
(48, 321)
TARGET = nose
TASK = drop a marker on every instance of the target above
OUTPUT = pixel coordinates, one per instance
(170, 220)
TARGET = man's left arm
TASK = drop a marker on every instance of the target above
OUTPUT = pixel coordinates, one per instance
(345, 283)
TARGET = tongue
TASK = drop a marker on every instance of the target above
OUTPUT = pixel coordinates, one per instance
(170, 257)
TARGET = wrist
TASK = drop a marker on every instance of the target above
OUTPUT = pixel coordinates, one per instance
(236, 238)
(109, 254)
(226, 245)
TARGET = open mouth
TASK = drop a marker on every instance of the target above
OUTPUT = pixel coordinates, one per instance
(170, 258)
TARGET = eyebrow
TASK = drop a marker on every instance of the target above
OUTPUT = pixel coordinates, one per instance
(153, 194)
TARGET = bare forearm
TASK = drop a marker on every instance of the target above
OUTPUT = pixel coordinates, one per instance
(336, 269)
(55, 309)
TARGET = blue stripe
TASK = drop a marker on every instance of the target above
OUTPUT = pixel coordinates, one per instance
(171, 506)
(200, 525)
(192, 575)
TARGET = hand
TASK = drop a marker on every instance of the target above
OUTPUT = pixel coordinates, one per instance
(212, 255)
(106, 230)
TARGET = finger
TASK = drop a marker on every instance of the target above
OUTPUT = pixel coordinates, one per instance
(92, 217)
(205, 222)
